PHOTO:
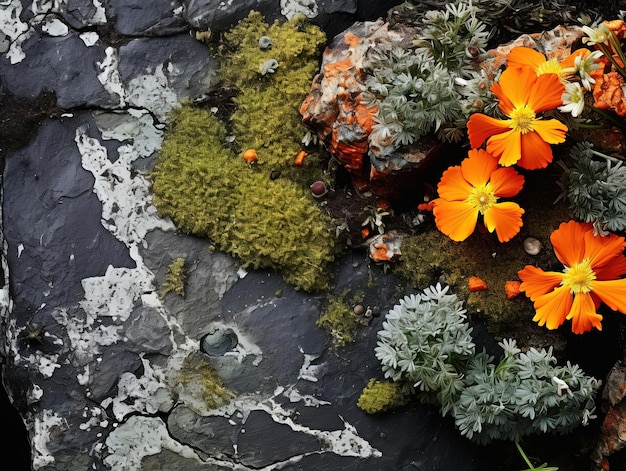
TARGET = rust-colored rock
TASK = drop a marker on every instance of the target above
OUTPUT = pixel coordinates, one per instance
(336, 109)
(608, 93)
(613, 431)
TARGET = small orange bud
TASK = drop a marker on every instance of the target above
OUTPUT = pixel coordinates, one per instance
(365, 232)
(511, 288)
(426, 206)
(476, 284)
(300, 158)
(250, 156)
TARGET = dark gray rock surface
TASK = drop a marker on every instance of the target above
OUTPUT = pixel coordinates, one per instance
(93, 354)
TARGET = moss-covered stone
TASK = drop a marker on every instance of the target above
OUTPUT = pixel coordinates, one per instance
(204, 185)
(379, 396)
(175, 278)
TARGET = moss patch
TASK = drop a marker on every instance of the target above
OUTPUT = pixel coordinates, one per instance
(267, 116)
(175, 278)
(198, 377)
(379, 396)
(340, 320)
(203, 184)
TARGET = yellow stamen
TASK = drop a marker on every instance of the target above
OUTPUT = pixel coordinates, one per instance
(522, 119)
(482, 198)
(579, 277)
(551, 66)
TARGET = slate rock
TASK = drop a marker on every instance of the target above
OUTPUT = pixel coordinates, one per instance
(148, 17)
(262, 441)
(62, 64)
(59, 200)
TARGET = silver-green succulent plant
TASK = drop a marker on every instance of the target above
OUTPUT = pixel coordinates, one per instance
(426, 345)
(595, 187)
(433, 85)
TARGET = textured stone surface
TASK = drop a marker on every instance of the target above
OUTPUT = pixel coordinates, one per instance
(93, 353)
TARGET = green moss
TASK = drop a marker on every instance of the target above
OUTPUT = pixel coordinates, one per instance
(340, 320)
(379, 396)
(208, 190)
(175, 278)
(267, 116)
(199, 378)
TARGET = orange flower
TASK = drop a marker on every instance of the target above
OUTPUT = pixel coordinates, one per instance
(473, 188)
(527, 57)
(593, 267)
(523, 139)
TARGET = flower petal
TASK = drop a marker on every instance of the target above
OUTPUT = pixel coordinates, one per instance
(477, 168)
(525, 57)
(583, 314)
(455, 219)
(611, 271)
(546, 94)
(480, 127)
(536, 282)
(552, 308)
(551, 130)
(612, 293)
(566, 241)
(516, 85)
(602, 249)
(507, 147)
(505, 218)
(570, 61)
(453, 186)
(506, 182)
(535, 152)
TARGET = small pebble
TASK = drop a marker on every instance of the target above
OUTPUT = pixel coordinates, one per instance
(532, 246)
(358, 309)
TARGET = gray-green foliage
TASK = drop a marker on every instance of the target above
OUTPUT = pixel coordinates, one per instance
(426, 344)
(596, 189)
(525, 393)
(432, 86)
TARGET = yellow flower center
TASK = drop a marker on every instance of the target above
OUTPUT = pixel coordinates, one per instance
(522, 118)
(482, 198)
(578, 277)
(551, 66)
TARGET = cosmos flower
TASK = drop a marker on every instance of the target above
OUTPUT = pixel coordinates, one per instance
(523, 139)
(593, 265)
(473, 188)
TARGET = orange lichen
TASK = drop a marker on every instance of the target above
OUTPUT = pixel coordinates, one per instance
(511, 288)
(476, 284)
(250, 156)
(351, 39)
(299, 160)
(608, 93)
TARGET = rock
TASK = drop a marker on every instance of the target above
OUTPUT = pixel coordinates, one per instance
(336, 108)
